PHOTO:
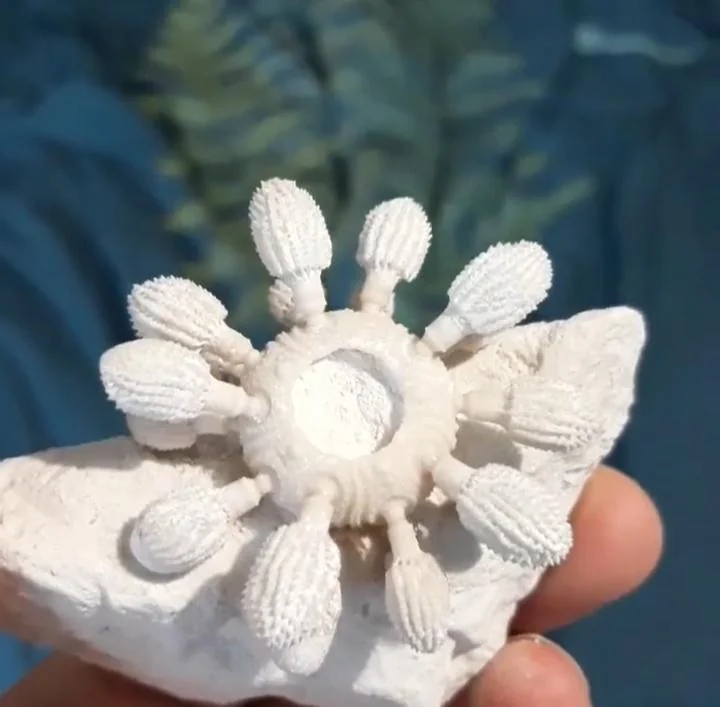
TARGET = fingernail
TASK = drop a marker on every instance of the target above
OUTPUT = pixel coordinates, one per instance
(539, 640)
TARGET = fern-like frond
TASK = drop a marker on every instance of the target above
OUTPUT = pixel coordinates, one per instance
(235, 98)
(360, 101)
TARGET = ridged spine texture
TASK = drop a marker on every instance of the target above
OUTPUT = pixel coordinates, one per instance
(296, 569)
(551, 414)
(177, 533)
(515, 517)
(422, 622)
(280, 301)
(176, 309)
(156, 380)
(396, 237)
(288, 229)
(501, 286)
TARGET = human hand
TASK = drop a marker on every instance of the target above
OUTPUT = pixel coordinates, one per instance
(618, 542)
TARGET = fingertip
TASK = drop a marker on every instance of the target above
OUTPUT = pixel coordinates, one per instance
(618, 543)
(63, 681)
(634, 520)
(530, 671)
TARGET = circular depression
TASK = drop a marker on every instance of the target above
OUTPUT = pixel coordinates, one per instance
(347, 404)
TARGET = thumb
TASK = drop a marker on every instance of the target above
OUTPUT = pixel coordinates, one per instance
(529, 670)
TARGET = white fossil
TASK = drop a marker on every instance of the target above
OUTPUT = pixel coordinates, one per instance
(354, 434)
(292, 241)
(179, 310)
(494, 292)
(393, 245)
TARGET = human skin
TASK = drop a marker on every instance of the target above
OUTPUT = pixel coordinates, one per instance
(618, 543)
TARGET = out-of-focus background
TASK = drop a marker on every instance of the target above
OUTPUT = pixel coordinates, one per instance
(132, 133)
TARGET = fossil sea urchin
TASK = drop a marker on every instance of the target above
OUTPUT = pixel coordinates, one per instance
(346, 419)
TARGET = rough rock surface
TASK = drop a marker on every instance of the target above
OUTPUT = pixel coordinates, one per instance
(64, 516)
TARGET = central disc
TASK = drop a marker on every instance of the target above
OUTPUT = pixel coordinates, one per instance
(347, 404)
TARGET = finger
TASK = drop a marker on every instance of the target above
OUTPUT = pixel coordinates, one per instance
(531, 671)
(618, 544)
(61, 681)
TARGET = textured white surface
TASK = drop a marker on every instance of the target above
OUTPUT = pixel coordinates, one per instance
(66, 516)
(181, 311)
(392, 247)
(288, 229)
(347, 419)
(344, 406)
(395, 237)
(293, 242)
(495, 291)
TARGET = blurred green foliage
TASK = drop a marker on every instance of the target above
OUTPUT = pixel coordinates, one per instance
(358, 101)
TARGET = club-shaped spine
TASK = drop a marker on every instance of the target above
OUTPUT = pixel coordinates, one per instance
(392, 248)
(176, 309)
(495, 291)
(293, 242)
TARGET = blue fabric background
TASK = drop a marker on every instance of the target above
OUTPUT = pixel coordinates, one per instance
(81, 212)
